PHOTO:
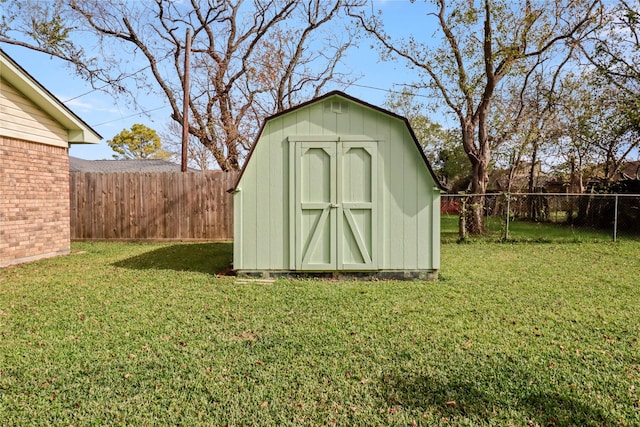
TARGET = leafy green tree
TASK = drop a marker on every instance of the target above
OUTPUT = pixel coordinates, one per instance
(441, 146)
(141, 142)
(614, 51)
(474, 48)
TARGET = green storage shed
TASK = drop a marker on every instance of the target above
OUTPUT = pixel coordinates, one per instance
(337, 186)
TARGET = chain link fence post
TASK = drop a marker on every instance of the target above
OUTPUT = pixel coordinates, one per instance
(506, 228)
(615, 219)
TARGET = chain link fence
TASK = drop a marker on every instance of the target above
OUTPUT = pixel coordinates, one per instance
(545, 216)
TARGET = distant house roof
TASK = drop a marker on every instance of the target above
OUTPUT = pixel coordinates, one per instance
(631, 170)
(78, 131)
(148, 165)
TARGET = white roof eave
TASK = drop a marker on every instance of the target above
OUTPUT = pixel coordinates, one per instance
(78, 131)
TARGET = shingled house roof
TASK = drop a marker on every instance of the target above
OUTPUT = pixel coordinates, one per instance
(105, 166)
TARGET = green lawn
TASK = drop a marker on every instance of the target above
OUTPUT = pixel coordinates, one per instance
(148, 334)
(528, 231)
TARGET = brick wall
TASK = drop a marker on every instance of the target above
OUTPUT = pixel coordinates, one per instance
(34, 201)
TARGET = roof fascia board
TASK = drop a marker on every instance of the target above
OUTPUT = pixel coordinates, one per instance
(79, 132)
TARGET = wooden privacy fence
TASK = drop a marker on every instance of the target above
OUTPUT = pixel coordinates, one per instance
(151, 206)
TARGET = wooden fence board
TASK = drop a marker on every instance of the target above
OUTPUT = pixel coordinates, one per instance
(151, 206)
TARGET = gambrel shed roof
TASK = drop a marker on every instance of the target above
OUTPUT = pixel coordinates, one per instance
(351, 98)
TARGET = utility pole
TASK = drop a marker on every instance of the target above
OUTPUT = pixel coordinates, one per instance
(185, 102)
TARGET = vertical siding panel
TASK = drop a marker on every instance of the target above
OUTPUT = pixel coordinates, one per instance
(231, 205)
(424, 197)
(356, 122)
(435, 229)
(289, 129)
(410, 205)
(249, 223)
(226, 181)
(263, 203)
(396, 198)
(303, 121)
(277, 196)
(239, 245)
(343, 122)
(330, 123)
(315, 120)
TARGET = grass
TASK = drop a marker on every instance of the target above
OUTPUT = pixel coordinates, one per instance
(528, 231)
(149, 334)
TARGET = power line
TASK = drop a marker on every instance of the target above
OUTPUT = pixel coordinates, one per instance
(258, 63)
(131, 115)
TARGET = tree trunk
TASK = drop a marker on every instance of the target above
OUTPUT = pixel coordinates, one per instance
(479, 167)
(533, 206)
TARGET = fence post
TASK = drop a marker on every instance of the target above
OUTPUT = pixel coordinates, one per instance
(462, 220)
(615, 219)
(506, 230)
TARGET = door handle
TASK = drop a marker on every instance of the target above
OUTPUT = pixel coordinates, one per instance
(333, 205)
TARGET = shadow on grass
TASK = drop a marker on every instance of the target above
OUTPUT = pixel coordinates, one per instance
(211, 258)
(457, 399)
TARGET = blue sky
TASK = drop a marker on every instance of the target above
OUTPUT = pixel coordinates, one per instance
(108, 116)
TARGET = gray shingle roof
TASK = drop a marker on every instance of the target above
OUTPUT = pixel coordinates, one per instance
(82, 165)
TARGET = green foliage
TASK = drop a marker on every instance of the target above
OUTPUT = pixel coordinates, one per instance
(42, 22)
(139, 334)
(441, 146)
(141, 142)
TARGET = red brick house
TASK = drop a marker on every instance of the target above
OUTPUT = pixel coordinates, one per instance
(35, 132)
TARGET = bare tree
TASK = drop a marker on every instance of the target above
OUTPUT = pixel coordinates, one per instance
(199, 157)
(243, 54)
(480, 47)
